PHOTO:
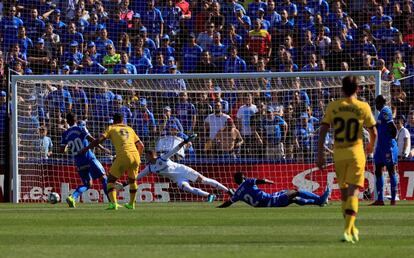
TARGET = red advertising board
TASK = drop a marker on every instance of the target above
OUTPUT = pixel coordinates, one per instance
(63, 179)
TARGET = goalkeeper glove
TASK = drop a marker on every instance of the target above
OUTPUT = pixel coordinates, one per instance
(190, 138)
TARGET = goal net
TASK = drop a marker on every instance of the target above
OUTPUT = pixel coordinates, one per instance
(263, 124)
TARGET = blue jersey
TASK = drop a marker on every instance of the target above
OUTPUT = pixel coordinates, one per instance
(385, 140)
(76, 139)
(249, 193)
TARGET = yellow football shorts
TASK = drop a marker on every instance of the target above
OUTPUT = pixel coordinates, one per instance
(350, 171)
(127, 162)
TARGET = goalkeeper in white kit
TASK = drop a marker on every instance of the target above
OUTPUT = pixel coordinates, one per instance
(180, 173)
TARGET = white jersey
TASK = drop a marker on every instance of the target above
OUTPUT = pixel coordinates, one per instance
(174, 171)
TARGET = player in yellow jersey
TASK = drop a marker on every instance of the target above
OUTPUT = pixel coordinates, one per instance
(347, 116)
(128, 148)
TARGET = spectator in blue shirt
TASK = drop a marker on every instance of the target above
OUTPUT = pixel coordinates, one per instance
(218, 52)
(143, 122)
(274, 131)
(232, 38)
(9, 27)
(115, 25)
(91, 31)
(234, 63)
(271, 15)
(291, 9)
(118, 107)
(80, 105)
(92, 53)
(191, 54)
(303, 139)
(59, 25)
(91, 67)
(241, 22)
(377, 20)
(153, 21)
(25, 43)
(319, 7)
(80, 21)
(141, 62)
(159, 66)
(45, 143)
(254, 6)
(72, 35)
(186, 112)
(34, 25)
(101, 101)
(148, 43)
(169, 120)
(171, 15)
(165, 47)
(229, 10)
(59, 102)
(73, 57)
(386, 36)
(217, 97)
(265, 24)
(125, 64)
(103, 41)
(124, 44)
(14, 55)
(283, 28)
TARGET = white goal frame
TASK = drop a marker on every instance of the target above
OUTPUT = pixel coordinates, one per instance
(16, 78)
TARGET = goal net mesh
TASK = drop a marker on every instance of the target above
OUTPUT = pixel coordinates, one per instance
(265, 127)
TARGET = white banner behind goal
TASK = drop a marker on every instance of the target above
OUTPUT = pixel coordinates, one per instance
(264, 124)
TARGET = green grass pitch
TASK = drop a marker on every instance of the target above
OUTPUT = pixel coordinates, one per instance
(201, 230)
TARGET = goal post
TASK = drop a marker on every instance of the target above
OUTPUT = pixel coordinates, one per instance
(146, 100)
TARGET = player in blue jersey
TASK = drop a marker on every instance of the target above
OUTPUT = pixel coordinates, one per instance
(250, 193)
(75, 139)
(386, 151)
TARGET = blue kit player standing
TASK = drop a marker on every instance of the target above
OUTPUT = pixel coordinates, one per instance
(249, 193)
(75, 139)
(386, 151)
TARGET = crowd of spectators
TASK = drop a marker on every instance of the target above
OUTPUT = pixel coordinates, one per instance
(206, 36)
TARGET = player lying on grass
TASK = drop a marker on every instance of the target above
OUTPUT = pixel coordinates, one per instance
(180, 174)
(250, 193)
(73, 141)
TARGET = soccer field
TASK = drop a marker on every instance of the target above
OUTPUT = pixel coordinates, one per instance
(200, 230)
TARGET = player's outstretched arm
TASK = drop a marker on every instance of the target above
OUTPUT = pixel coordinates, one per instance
(178, 147)
(264, 181)
(225, 204)
(143, 173)
(91, 139)
(140, 147)
(93, 144)
(323, 130)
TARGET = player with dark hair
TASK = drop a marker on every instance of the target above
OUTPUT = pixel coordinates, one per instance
(386, 151)
(250, 193)
(347, 116)
(180, 174)
(128, 148)
(73, 141)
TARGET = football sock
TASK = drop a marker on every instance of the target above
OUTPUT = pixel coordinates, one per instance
(351, 211)
(112, 193)
(105, 186)
(309, 195)
(303, 201)
(393, 182)
(79, 191)
(380, 186)
(188, 188)
(133, 193)
(214, 183)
